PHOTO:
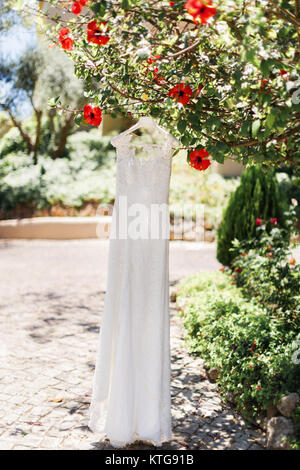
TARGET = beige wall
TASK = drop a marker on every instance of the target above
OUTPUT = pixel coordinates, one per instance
(229, 168)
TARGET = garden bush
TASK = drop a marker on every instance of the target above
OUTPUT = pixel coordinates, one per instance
(265, 270)
(257, 196)
(87, 174)
(241, 339)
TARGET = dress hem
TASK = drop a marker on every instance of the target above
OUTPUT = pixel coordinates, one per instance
(136, 437)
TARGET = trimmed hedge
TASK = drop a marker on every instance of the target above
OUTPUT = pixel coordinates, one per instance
(239, 337)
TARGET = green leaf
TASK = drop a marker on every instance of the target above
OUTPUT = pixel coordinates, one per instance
(255, 127)
(270, 120)
(185, 139)
(218, 157)
(126, 4)
(181, 126)
(251, 56)
(78, 120)
(99, 8)
(245, 128)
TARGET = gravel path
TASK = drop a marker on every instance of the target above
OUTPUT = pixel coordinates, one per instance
(51, 298)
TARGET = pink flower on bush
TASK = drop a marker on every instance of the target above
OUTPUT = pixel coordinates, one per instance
(222, 268)
(258, 221)
(274, 221)
(258, 389)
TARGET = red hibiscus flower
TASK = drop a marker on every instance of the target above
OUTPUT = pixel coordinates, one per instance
(92, 115)
(181, 93)
(274, 221)
(67, 44)
(153, 59)
(199, 159)
(258, 221)
(203, 10)
(76, 8)
(63, 32)
(96, 33)
(172, 4)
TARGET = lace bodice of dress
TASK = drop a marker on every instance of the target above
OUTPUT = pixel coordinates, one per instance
(143, 171)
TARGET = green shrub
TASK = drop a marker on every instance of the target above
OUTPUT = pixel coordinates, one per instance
(257, 196)
(265, 270)
(87, 174)
(238, 336)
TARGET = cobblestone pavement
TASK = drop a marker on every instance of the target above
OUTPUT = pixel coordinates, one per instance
(51, 297)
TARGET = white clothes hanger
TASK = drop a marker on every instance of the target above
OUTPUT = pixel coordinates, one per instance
(145, 121)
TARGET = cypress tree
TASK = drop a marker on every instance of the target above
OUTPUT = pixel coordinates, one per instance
(257, 196)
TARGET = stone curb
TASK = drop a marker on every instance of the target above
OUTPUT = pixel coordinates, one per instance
(57, 228)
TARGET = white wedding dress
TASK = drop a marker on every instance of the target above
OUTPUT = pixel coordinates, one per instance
(131, 390)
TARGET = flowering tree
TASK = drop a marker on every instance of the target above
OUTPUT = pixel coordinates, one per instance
(223, 76)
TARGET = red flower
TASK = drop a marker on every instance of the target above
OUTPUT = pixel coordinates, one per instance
(274, 221)
(253, 346)
(67, 44)
(181, 93)
(63, 32)
(222, 268)
(263, 83)
(199, 159)
(82, 2)
(153, 59)
(156, 77)
(292, 261)
(204, 10)
(258, 389)
(284, 74)
(92, 115)
(250, 367)
(96, 33)
(172, 4)
(258, 221)
(76, 8)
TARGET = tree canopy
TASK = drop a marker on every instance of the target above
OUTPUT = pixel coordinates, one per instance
(227, 80)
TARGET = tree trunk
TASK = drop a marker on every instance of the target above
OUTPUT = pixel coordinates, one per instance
(65, 131)
(26, 137)
(38, 114)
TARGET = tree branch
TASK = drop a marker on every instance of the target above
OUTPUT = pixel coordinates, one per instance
(252, 142)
